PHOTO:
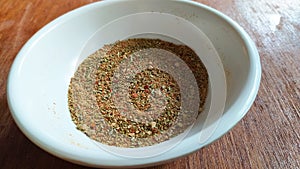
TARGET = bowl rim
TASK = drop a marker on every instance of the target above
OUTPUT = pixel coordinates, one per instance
(252, 84)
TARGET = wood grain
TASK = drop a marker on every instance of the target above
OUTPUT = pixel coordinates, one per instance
(267, 137)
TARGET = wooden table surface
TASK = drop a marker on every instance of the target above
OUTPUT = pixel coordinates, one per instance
(267, 137)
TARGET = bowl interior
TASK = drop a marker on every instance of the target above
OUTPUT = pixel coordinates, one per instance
(49, 59)
(160, 25)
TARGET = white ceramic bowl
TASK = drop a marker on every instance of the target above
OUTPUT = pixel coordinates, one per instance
(40, 74)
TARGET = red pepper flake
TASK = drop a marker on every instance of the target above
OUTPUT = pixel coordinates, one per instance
(134, 95)
(146, 87)
(132, 130)
(93, 125)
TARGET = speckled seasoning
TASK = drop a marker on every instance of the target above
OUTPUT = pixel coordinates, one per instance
(150, 110)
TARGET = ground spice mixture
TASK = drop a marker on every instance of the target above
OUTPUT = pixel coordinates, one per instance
(148, 109)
